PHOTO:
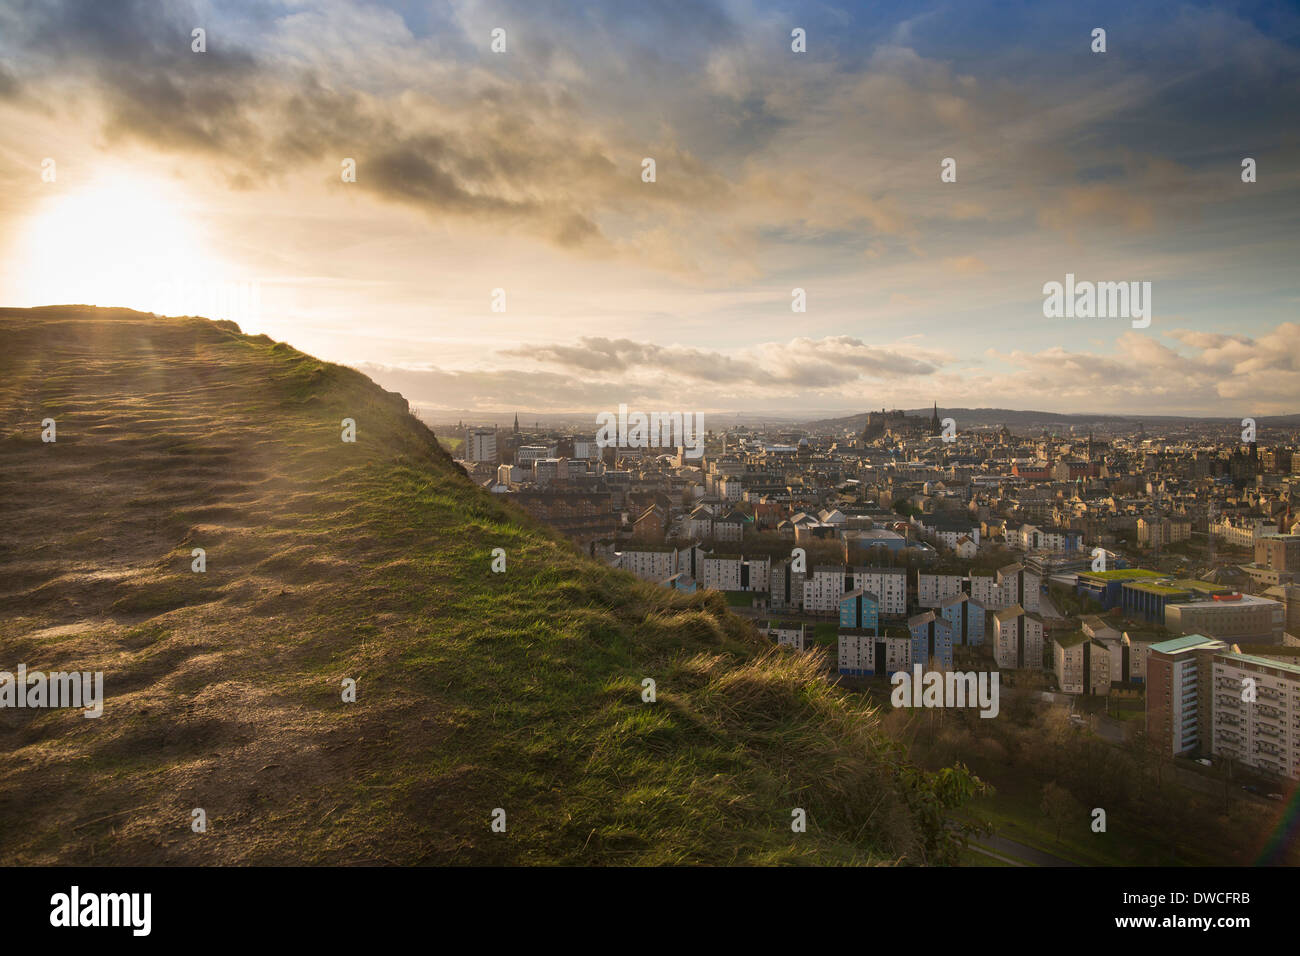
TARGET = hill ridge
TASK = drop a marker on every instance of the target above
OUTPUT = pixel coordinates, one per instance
(328, 560)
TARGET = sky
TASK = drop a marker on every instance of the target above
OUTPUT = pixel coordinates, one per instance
(135, 171)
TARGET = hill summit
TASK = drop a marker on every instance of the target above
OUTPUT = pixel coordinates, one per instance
(480, 697)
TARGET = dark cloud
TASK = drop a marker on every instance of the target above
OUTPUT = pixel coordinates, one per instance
(493, 151)
(805, 363)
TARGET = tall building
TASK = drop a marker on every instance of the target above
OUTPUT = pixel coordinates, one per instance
(1256, 713)
(1018, 639)
(481, 445)
(860, 610)
(1179, 700)
(1280, 552)
(931, 641)
(965, 616)
(1082, 664)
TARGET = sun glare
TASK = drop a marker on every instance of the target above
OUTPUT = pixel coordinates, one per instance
(117, 242)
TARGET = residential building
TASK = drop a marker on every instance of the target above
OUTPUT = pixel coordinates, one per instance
(481, 445)
(1256, 713)
(1018, 639)
(931, 641)
(1279, 552)
(786, 633)
(1082, 664)
(965, 616)
(933, 588)
(1179, 701)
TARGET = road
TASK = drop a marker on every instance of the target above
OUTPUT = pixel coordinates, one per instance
(1029, 854)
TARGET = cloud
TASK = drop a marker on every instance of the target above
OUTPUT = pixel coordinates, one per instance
(807, 363)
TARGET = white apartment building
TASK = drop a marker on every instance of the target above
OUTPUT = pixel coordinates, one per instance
(786, 633)
(1009, 586)
(720, 572)
(730, 527)
(527, 454)
(650, 565)
(1082, 664)
(700, 523)
(888, 584)
(1018, 639)
(933, 589)
(823, 589)
(1031, 537)
(731, 489)
(1263, 733)
(481, 444)
(858, 653)
(547, 470)
(759, 570)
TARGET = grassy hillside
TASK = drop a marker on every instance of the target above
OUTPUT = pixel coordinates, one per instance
(372, 561)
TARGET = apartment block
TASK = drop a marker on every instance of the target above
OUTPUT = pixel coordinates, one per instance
(823, 589)
(787, 585)
(1162, 531)
(860, 610)
(965, 616)
(1179, 701)
(721, 572)
(481, 445)
(931, 641)
(865, 653)
(1256, 713)
(888, 584)
(1279, 552)
(933, 589)
(1018, 639)
(1082, 664)
(1018, 586)
(756, 574)
(650, 564)
(786, 633)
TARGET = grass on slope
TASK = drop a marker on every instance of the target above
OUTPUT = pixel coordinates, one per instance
(372, 561)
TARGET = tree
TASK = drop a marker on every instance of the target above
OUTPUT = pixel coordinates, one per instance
(1058, 806)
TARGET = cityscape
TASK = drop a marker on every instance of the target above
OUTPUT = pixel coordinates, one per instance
(455, 453)
(1157, 564)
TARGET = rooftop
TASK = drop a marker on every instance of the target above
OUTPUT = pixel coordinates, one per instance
(1122, 574)
(1190, 642)
(1287, 666)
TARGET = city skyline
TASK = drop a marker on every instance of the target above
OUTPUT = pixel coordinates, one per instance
(198, 173)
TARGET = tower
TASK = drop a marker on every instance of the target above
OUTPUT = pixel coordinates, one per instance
(516, 423)
(935, 427)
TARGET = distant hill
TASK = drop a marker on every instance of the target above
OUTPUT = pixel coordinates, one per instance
(991, 417)
(371, 560)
